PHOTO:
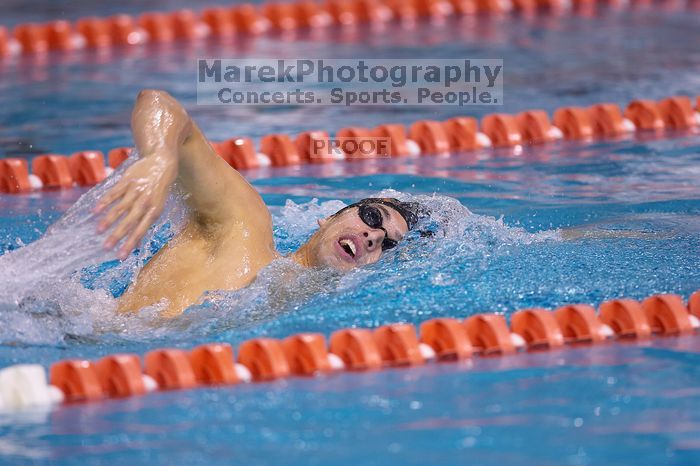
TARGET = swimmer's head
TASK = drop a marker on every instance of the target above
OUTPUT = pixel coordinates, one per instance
(360, 233)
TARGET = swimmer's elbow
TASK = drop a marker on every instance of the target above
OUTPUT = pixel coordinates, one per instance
(158, 115)
(152, 94)
(159, 99)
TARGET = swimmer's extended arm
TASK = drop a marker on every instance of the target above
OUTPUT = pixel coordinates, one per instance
(172, 147)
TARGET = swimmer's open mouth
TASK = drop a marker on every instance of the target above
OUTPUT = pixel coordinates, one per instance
(348, 246)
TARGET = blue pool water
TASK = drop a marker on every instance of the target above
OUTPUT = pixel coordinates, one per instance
(638, 202)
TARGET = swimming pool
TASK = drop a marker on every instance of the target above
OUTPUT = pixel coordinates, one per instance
(605, 404)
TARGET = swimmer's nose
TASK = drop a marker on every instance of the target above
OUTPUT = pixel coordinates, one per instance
(373, 239)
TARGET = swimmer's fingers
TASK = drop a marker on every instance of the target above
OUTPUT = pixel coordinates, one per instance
(116, 192)
(130, 220)
(127, 200)
(150, 216)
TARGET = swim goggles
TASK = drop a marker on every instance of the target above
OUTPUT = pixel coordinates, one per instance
(372, 217)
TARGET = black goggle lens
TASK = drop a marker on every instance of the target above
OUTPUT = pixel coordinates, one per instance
(372, 217)
(388, 243)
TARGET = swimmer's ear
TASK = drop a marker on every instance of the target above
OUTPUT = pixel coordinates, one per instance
(322, 221)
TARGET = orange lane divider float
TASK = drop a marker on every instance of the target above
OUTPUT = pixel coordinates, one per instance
(157, 27)
(425, 137)
(14, 176)
(247, 20)
(308, 354)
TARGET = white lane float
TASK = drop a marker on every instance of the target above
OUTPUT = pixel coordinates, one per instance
(25, 386)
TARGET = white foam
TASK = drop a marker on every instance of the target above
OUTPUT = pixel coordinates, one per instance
(42, 300)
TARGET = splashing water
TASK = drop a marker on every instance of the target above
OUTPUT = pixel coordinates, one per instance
(63, 286)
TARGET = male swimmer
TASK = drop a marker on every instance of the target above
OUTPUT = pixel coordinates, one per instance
(227, 238)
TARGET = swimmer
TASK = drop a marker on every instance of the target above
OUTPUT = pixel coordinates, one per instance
(227, 238)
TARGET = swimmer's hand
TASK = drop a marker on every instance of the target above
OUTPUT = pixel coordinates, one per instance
(159, 125)
(137, 199)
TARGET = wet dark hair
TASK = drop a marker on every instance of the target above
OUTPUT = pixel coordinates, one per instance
(410, 211)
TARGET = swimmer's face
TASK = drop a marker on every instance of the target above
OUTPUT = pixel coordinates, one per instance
(345, 241)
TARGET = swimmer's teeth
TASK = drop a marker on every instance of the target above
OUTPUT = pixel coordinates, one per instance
(348, 246)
